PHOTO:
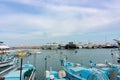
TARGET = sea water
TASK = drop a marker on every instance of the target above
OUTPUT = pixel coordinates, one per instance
(81, 56)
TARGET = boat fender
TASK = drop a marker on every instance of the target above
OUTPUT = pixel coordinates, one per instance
(51, 77)
(62, 74)
(77, 65)
(47, 73)
(101, 65)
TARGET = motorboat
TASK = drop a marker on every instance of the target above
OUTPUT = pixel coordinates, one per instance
(27, 73)
(111, 70)
(8, 62)
(78, 72)
(6, 58)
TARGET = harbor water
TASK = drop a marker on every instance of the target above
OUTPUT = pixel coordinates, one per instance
(81, 56)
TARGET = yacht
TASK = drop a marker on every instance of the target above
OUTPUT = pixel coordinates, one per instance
(6, 58)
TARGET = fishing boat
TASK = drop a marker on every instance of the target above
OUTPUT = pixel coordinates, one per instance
(8, 62)
(118, 50)
(27, 72)
(71, 45)
(111, 70)
(78, 72)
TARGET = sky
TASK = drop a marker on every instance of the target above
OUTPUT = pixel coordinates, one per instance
(36, 22)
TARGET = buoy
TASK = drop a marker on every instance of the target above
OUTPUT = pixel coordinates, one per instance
(47, 74)
(77, 65)
(51, 77)
(61, 74)
(101, 65)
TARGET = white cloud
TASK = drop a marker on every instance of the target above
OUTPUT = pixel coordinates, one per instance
(53, 26)
(57, 21)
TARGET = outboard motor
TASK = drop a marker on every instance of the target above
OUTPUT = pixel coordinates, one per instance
(113, 75)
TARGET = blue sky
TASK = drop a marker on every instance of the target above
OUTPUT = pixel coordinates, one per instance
(35, 22)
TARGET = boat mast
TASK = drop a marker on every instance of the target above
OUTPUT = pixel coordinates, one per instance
(21, 68)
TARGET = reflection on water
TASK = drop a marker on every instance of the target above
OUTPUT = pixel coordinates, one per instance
(81, 56)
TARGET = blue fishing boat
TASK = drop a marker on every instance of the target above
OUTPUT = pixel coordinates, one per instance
(111, 70)
(77, 72)
(118, 53)
(27, 73)
(8, 62)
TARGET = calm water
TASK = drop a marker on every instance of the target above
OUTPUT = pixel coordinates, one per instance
(82, 56)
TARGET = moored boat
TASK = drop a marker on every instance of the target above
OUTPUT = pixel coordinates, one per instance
(6, 58)
(28, 73)
(118, 53)
(77, 72)
(3, 48)
(8, 62)
(111, 70)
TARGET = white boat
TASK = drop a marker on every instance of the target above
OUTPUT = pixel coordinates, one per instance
(50, 46)
(3, 48)
(6, 58)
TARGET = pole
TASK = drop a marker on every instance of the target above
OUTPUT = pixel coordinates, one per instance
(21, 69)
(112, 57)
(46, 63)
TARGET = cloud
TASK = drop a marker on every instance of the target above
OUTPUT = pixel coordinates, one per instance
(56, 19)
(113, 4)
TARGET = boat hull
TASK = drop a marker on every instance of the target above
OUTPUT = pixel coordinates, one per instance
(71, 76)
(8, 63)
